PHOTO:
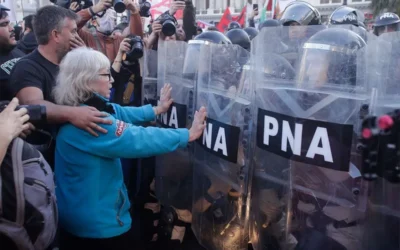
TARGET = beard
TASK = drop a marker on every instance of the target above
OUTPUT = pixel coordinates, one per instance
(62, 51)
(6, 46)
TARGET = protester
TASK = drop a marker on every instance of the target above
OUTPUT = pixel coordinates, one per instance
(88, 170)
(33, 78)
(9, 55)
(102, 38)
(28, 42)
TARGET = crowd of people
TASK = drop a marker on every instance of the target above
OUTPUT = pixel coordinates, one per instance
(72, 82)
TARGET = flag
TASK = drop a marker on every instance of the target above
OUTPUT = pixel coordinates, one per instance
(263, 15)
(241, 19)
(226, 19)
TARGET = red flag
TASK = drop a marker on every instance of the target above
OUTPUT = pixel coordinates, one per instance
(226, 19)
(241, 19)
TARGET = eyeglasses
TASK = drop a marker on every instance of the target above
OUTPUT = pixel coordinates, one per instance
(108, 74)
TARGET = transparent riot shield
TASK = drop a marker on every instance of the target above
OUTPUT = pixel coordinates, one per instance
(221, 175)
(149, 75)
(307, 190)
(381, 146)
(174, 170)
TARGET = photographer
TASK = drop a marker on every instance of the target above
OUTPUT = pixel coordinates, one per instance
(102, 39)
(12, 123)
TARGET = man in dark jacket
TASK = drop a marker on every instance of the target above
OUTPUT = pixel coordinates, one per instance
(28, 42)
(9, 55)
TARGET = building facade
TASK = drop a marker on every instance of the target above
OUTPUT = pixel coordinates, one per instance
(212, 10)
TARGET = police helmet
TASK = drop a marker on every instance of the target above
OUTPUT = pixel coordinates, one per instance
(193, 53)
(234, 25)
(387, 22)
(302, 13)
(212, 37)
(330, 57)
(346, 15)
(252, 32)
(239, 37)
(269, 23)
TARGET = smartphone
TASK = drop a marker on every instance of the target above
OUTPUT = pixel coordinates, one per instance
(255, 6)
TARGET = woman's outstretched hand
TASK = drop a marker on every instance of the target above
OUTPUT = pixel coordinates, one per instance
(198, 125)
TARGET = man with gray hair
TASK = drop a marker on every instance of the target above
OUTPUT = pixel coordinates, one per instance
(33, 77)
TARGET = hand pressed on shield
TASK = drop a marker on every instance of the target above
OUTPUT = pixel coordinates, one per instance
(165, 99)
(198, 125)
(86, 118)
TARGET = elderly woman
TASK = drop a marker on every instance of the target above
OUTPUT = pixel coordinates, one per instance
(92, 198)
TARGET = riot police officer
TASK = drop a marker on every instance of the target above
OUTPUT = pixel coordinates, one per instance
(239, 37)
(347, 15)
(252, 32)
(301, 20)
(234, 25)
(174, 174)
(385, 23)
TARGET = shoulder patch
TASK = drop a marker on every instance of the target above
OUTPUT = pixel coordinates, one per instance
(121, 126)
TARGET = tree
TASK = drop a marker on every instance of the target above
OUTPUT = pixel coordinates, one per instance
(379, 6)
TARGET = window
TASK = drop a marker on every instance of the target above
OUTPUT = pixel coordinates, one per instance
(336, 1)
(356, 1)
(324, 1)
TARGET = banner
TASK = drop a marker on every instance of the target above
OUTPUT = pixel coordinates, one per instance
(9, 4)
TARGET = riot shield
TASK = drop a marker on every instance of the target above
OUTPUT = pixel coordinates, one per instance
(307, 190)
(381, 146)
(149, 75)
(174, 170)
(221, 175)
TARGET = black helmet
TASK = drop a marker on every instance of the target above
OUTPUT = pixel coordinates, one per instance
(386, 20)
(346, 15)
(234, 25)
(269, 23)
(239, 37)
(330, 56)
(252, 32)
(190, 66)
(212, 37)
(302, 13)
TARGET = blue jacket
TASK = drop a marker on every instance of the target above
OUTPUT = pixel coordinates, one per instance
(91, 195)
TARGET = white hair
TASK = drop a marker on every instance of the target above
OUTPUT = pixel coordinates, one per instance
(78, 68)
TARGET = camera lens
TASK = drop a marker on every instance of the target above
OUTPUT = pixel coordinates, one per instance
(146, 6)
(168, 28)
(119, 6)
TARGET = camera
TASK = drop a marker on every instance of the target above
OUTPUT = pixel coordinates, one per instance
(119, 6)
(168, 23)
(136, 51)
(145, 7)
(83, 4)
(37, 113)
